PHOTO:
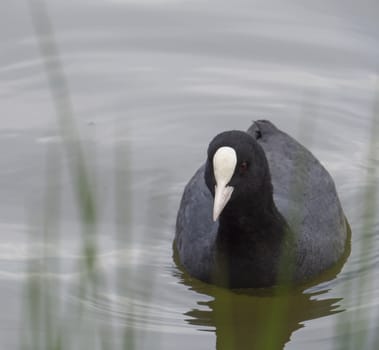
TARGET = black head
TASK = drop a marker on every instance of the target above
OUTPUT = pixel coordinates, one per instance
(244, 171)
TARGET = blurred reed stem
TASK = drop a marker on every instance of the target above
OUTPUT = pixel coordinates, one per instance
(59, 90)
(43, 308)
(270, 339)
(356, 327)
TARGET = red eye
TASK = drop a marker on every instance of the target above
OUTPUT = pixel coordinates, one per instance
(243, 167)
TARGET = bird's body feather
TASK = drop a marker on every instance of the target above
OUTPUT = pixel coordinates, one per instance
(305, 196)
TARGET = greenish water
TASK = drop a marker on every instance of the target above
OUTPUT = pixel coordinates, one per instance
(92, 172)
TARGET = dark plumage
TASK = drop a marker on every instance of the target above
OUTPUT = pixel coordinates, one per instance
(283, 222)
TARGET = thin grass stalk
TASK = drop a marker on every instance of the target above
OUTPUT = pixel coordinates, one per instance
(370, 211)
(359, 318)
(78, 170)
(58, 87)
(270, 339)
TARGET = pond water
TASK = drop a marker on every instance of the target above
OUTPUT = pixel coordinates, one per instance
(151, 83)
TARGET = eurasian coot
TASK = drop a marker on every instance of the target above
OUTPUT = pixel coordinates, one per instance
(262, 210)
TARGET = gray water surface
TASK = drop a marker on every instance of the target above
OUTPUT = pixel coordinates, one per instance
(151, 83)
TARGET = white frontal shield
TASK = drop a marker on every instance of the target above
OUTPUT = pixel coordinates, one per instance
(224, 164)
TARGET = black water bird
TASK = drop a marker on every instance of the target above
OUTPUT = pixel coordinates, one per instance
(261, 211)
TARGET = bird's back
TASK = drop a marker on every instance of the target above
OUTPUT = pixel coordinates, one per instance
(305, 194)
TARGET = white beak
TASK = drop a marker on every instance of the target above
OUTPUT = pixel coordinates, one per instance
(224, 164)
(222, 196)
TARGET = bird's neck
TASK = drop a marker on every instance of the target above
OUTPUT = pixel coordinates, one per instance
(253, 217)
(249, 246)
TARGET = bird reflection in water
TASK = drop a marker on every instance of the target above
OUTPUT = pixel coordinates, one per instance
(261, 318)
